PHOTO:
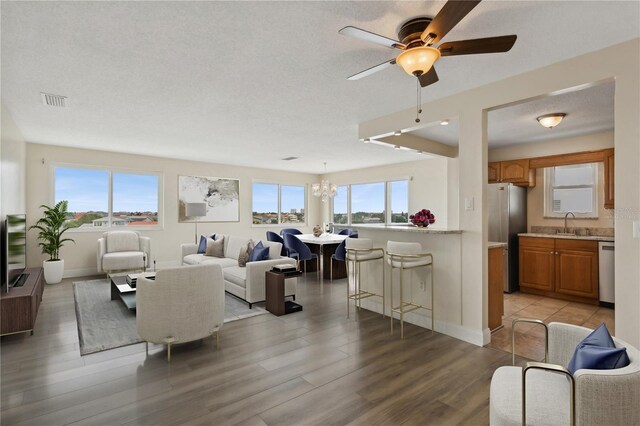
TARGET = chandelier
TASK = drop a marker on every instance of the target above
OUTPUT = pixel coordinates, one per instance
(324, 189)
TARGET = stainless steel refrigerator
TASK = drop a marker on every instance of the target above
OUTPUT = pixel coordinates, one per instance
(507, 208)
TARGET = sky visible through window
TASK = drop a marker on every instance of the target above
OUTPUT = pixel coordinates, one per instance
(88, 190)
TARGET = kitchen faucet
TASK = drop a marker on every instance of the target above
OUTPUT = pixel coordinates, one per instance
(565, 221)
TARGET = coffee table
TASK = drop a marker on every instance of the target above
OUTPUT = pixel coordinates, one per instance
(123, 291)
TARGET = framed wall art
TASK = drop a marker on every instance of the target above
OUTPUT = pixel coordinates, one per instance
(221, 196)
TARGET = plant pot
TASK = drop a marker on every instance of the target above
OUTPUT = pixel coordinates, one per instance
(53, 271)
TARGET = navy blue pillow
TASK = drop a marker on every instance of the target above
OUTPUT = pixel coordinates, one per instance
(260, 252)
(202, 247)
(598, 352)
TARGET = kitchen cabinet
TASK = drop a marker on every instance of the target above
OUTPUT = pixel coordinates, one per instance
(496, 287)
(561, 268)
(609, 179)
(512, 171)
(494, 172)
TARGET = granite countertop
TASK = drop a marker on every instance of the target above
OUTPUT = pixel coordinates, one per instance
(407, 228)
(568, 237)
(494, 244)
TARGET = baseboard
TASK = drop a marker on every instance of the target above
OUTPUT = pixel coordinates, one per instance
(87, 272)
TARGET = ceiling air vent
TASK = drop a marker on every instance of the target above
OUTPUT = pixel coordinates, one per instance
(54, 100)
(290, 158)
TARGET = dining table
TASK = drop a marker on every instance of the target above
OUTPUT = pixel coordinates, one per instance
(325, 246)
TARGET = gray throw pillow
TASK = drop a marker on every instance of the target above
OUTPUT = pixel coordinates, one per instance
(243, 257)
(215, 248)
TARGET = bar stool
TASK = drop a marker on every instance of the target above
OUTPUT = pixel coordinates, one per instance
(407, 256)
(359, 251)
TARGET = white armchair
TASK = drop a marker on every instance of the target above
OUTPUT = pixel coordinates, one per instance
(553, 397)
(181, 305)
(123, 251)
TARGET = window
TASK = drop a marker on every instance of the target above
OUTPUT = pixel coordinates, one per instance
(134, 197)
(399, 201)
(275, 204)
(369, 203)
(340, 205)
(572, 189)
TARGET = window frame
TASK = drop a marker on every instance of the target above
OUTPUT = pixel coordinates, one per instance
(549, 186)
(387, 203)
(279, 212)
(110, 172)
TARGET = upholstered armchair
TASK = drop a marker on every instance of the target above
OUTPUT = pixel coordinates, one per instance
(555, 397)
(123, 251)
(181, 305)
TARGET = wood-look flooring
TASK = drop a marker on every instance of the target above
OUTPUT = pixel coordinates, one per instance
(311, 367)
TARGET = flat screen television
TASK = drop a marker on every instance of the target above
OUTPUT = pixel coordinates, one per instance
(14, 250)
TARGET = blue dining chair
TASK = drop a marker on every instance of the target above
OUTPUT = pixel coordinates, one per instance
(293, 231)
(304, 253)
(349, 232)
(272, 236)
(339, 255)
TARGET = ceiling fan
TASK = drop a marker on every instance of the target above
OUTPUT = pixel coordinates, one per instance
(417, 37)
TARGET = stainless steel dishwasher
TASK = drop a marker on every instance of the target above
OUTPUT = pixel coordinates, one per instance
(606, 264)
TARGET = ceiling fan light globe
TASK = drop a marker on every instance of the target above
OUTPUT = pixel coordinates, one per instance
(418, 60)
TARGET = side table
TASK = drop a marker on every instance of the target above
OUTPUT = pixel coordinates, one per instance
(274, 293)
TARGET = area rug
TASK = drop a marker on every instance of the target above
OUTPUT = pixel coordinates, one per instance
(106, 324)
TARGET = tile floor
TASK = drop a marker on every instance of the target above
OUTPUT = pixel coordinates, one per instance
(530, 337)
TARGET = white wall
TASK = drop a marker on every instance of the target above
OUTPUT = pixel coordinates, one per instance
(80, 258)
(620, 62)
(12, 177)
(428, 185)
(535, 196)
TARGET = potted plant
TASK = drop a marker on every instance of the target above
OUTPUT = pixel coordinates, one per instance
(51, 226)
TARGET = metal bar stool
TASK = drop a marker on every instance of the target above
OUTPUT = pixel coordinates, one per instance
(359, 251)
(406, 256)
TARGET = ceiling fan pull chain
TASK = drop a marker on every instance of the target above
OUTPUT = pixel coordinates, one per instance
(418, 109)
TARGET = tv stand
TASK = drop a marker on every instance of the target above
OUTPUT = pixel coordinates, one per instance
(19, 307)
(22, 278)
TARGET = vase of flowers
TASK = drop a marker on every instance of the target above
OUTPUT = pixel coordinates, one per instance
(422, 218)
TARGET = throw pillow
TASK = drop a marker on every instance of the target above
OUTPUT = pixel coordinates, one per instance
(215, 248)
(202, 246)
(243, 256)
(260, 252)
(250, 246)
(597, 351)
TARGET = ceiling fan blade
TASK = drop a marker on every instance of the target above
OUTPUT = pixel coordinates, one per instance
(372, 70)
(448, 17)
(372, 37)
(428, 78)
(478, 45)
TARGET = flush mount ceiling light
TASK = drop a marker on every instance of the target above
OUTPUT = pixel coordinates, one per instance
(324, 189)
(444, 123)
(551, 120)
(396, 147)
(397, 133)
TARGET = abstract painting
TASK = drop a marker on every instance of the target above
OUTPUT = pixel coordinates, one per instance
(221, 196)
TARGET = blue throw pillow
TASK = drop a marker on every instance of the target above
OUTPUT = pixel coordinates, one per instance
(260, 252)
(202, 246)
(598, 352)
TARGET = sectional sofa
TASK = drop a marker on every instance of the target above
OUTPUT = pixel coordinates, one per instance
(247, 283)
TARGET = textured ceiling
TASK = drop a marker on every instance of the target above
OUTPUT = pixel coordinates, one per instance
(249, 83)
(588, 110)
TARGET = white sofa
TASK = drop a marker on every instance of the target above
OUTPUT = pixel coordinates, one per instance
(123, 251)
(181, 305)
(247, 283)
